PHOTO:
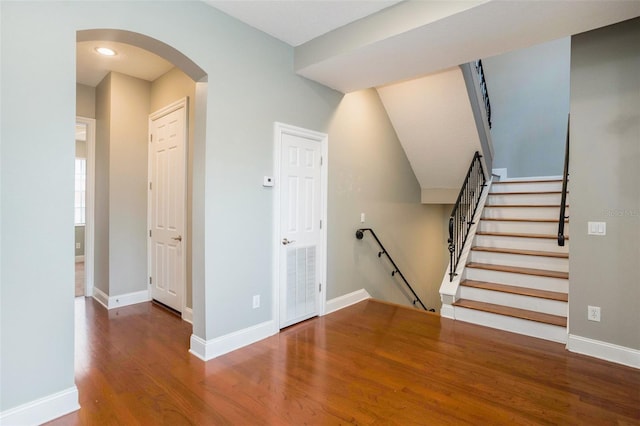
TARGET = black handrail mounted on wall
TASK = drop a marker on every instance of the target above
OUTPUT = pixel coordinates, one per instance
(563, 200)
(463, 212)
(360, 235)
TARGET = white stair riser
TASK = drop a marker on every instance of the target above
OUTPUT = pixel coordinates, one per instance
(549, 228)
(546, 306)
(522, 260)
(523, 212)
(541, 244)
(527, 187)
(553, 199)
(520, 280)
(515, 325)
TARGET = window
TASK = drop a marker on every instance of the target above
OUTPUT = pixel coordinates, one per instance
(80, 193)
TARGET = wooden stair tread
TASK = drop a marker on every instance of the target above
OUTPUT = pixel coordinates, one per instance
(520, 235)
(512, 312)
(505, 182)
(523, 291)
(523, 252)
(503, 219)
(519, 270)
(523, 205)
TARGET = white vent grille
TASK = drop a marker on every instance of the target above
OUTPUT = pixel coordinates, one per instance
(301, 281)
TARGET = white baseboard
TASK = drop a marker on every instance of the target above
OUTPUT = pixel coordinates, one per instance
(101, 297)
(43, 409)
(603, 350)
(112, 302)
(80, 258)
(209, 349)
(187, 315)
(347, 300)
(128, 299)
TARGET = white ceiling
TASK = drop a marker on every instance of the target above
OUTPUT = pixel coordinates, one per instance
(297, 21)
(417, 38)
(435, 125)
(291, 21)
(91, 67)
(356, 44)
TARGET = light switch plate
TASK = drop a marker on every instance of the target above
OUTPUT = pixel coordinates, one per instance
(597, 228)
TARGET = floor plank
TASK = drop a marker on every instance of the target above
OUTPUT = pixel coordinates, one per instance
(371, 363)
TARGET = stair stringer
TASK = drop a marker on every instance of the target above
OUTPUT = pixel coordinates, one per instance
(450, 290)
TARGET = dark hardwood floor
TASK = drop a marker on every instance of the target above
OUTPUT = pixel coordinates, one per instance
(369, 364)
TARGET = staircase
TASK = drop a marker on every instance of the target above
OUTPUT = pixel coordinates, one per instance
(517, 277)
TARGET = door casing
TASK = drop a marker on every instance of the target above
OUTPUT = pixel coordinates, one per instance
(89, 226)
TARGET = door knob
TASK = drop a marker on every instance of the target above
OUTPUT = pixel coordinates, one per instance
(178, 238)
(287, 242)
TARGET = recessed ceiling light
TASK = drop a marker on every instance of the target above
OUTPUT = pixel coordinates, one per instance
(105, 51)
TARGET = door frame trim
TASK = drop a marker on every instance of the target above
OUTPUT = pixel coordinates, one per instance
(90, 191)
(174, 106)
(278, 130)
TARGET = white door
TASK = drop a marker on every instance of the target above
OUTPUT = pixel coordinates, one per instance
(167, 246)
(301, 253)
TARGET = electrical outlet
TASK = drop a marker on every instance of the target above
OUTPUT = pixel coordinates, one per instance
(256, 301)
(77, 245)
(362, 217)
(593, 313)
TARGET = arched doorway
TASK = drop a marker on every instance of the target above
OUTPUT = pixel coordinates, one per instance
(197, 107)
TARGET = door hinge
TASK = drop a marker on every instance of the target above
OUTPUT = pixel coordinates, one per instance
(149, 233)
(319, 287)
(151, 137)
(320, 223)
(150, 186)
(150, 280)
(321, 160)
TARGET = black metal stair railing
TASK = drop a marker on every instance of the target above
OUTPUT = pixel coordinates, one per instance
(464, 210)
(563, 200)
(483, 89)
(396, 271)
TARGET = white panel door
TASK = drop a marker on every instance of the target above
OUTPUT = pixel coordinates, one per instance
(167, 207)
(300, 233)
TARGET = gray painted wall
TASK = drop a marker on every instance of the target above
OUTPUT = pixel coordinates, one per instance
(121, 163)
(605, 183)
(529, 93)
(79, 239)
(369, 173)
(101, 215)
(251, 84)
(85, 101)
(128, 184)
